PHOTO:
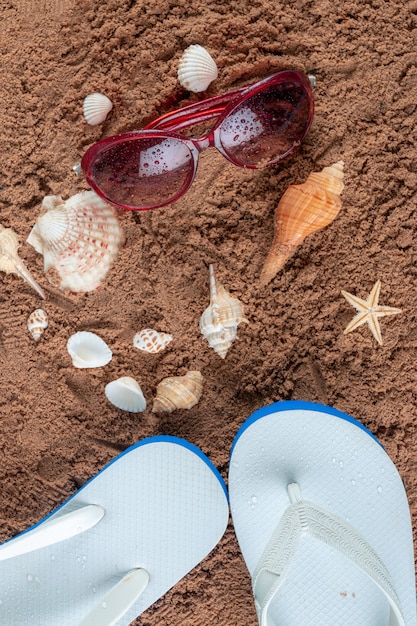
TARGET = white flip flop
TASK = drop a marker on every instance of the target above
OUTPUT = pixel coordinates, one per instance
(119, 543)
(322, 520)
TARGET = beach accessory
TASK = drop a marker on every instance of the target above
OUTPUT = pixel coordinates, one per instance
(116, 546)
(257, 125)
(322, 520)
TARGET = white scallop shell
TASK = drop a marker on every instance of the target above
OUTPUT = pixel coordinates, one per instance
(37, 322)
(87, 349)
(96, 107)
(196, 69)
(150, 340)
(125, 394)
(79, 239)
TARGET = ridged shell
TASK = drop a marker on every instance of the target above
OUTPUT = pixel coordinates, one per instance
(196, 69)
(10, 261)
(126, 394)
(302, 210)
(178, 392)
(37, 322)
(88, 350)
(219, 322)
(79, 239)
(96, 107)
(150, 340)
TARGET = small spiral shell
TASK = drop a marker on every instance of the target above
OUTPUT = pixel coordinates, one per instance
(178, 392)
(219, 322)
(150, 340)
(302, 210)
(37, 322)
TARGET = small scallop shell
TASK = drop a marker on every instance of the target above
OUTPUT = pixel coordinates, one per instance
(96, 107)
(178, 392)
(149, 340)
(196, 69)
(88, 350)
(79, 239)
(37, 322)
(125, 394)
(219, 322)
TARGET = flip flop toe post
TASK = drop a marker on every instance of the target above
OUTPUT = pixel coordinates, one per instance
(123, 540)
(322, 520)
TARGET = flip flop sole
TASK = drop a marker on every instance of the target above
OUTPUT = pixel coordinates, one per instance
(340, 466)
(165, 509)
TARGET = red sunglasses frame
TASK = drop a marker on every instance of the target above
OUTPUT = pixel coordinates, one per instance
(168, 125)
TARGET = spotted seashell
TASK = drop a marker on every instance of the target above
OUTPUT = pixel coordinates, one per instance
(88, 350)
(125, 394)
(178, 392)
(219, 322)
(37, 322)
(196, 69)
(96, 107)
(149, 340)
(79, 239)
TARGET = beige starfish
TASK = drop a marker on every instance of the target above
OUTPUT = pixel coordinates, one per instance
(369, 311)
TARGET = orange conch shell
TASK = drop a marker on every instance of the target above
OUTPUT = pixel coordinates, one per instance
(178, 392)
(302, 210)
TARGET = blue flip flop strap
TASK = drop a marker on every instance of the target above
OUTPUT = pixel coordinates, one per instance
(306, 518)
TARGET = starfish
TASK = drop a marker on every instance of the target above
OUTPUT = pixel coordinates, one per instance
(369, 311)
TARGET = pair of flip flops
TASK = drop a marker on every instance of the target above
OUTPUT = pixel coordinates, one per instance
(319, 510)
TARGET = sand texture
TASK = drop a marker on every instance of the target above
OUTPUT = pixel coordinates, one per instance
(57, 427)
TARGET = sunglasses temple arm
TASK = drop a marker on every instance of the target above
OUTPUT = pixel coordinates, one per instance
(195, 113)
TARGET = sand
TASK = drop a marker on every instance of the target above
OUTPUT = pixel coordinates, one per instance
(57, 428)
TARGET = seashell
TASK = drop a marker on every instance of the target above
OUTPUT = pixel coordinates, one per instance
(10, 262)
(88, 350)
(149, 340)
(220, 320)
(125, 394)
(178, 392)
(37, 322)
(96, 107)
(79, 239)
(196, 69)
(302, 210)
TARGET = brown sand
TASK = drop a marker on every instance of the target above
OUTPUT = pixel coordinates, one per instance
(57, 428)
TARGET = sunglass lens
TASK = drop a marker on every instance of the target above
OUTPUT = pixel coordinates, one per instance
(268, 126)
(142, 173)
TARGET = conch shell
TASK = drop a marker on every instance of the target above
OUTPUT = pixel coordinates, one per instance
(302, 210)
(220, 320)
(37, 322)
(178, 392)
(150, 340)
(79, 239)
(10, 262)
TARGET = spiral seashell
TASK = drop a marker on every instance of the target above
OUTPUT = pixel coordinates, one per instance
(196, 69)
(149, 340)
(219, 322)
(96, 107)
(125, 394)
(302, 210)
(88, 350)
(79, 239)
(178, 392)
(37, 322)
(10, 262)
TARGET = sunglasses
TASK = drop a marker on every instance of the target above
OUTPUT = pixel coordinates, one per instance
(257, 126)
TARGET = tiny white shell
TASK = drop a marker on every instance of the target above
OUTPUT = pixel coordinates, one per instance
(96, 107)
(149, 340)
(196, 69)
(125, 394)
(37, 322)
(88, 350)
